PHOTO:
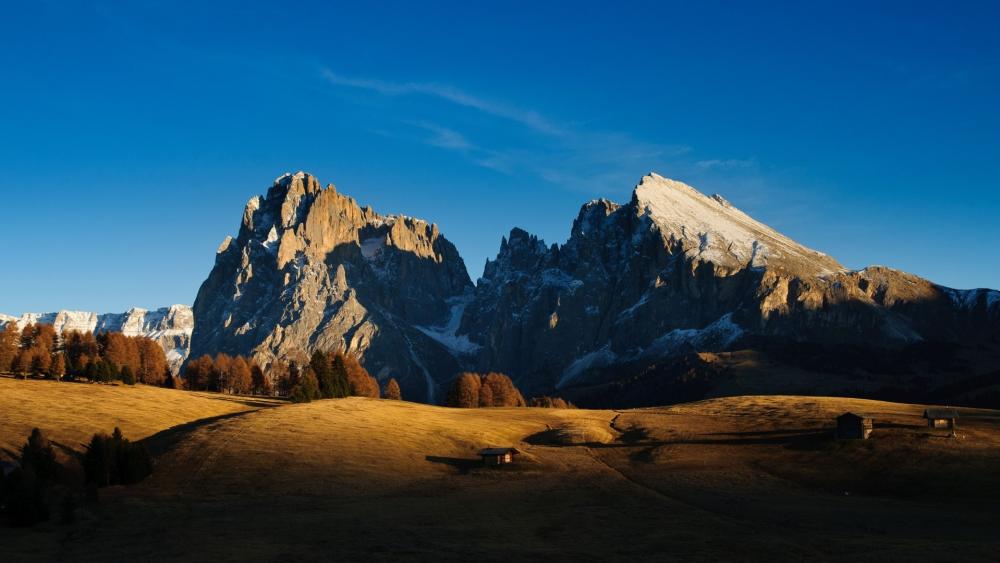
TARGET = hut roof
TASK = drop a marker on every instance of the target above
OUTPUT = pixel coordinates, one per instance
(855, 415)
(498, 451)
(940, 413)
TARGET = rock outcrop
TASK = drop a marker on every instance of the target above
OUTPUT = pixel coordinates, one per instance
(675, 272)
(170, 327)
(313, 270)
(637, 286)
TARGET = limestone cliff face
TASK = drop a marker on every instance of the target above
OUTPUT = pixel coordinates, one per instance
(674, 272)
(311, 269)
(667, 274)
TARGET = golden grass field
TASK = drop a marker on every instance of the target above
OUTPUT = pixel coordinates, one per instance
(70, 413)
(742, 478)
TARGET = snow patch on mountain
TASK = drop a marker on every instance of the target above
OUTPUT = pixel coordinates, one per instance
(719, 335)
(969, 298)
(271, 240)
(445, 334)
(170, 327)
(371, 246)
(176, 356)
(965, 298)
(718, 232)
(598, 358)
(253, 204)
(557, 278)
(631, 310)
(289, 176)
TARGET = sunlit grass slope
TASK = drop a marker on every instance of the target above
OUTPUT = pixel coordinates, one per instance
(70, 413)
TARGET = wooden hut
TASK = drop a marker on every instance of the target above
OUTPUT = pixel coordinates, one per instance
(498, 456)
(941, 418)
(854, 426)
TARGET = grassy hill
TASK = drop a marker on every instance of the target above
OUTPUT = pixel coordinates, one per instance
(70, 413)
(734, 478)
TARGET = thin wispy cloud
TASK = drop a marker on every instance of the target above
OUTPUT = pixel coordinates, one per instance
(527, 118)
(559, 153)
(726, 164)
(496, 161)
(443, 137)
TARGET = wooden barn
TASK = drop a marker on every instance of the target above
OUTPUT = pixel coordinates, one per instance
(941, 418)
(854, 426)
(498, 456)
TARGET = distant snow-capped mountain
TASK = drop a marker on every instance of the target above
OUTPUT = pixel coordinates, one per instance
(170, 326)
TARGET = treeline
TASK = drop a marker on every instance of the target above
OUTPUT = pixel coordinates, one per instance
(472, 390)
(550, 403)
(327, 375)
(333, 375)
(226, 374)
(39, 351)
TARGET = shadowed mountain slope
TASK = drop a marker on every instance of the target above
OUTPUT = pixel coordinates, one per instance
(671, 273)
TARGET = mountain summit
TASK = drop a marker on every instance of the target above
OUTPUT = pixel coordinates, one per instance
(672, 280)
(674, 273)
(312, 270)
(712, 230)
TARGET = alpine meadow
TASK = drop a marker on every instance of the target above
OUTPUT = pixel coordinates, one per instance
(649, 281)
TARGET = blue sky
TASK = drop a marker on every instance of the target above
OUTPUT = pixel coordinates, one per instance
(132, 135)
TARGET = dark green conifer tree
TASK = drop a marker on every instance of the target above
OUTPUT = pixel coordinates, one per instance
(306, 388)
(321, 368)
(338, 375)
(126, 376)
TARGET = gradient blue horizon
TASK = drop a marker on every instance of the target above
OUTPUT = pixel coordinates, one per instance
(134, 135)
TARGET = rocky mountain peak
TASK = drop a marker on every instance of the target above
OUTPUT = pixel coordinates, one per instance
(521, 252)
(300, 218)
(672, 272)
(592, 216)
(711, 229)
(296, 184)
(313, 270)
(523, 241)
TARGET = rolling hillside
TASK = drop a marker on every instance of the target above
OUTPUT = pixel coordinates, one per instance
(70, 413)
(737, 478)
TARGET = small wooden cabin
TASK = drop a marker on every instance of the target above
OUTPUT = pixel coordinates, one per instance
(941, 418)
(854, 426)
(498, 456)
